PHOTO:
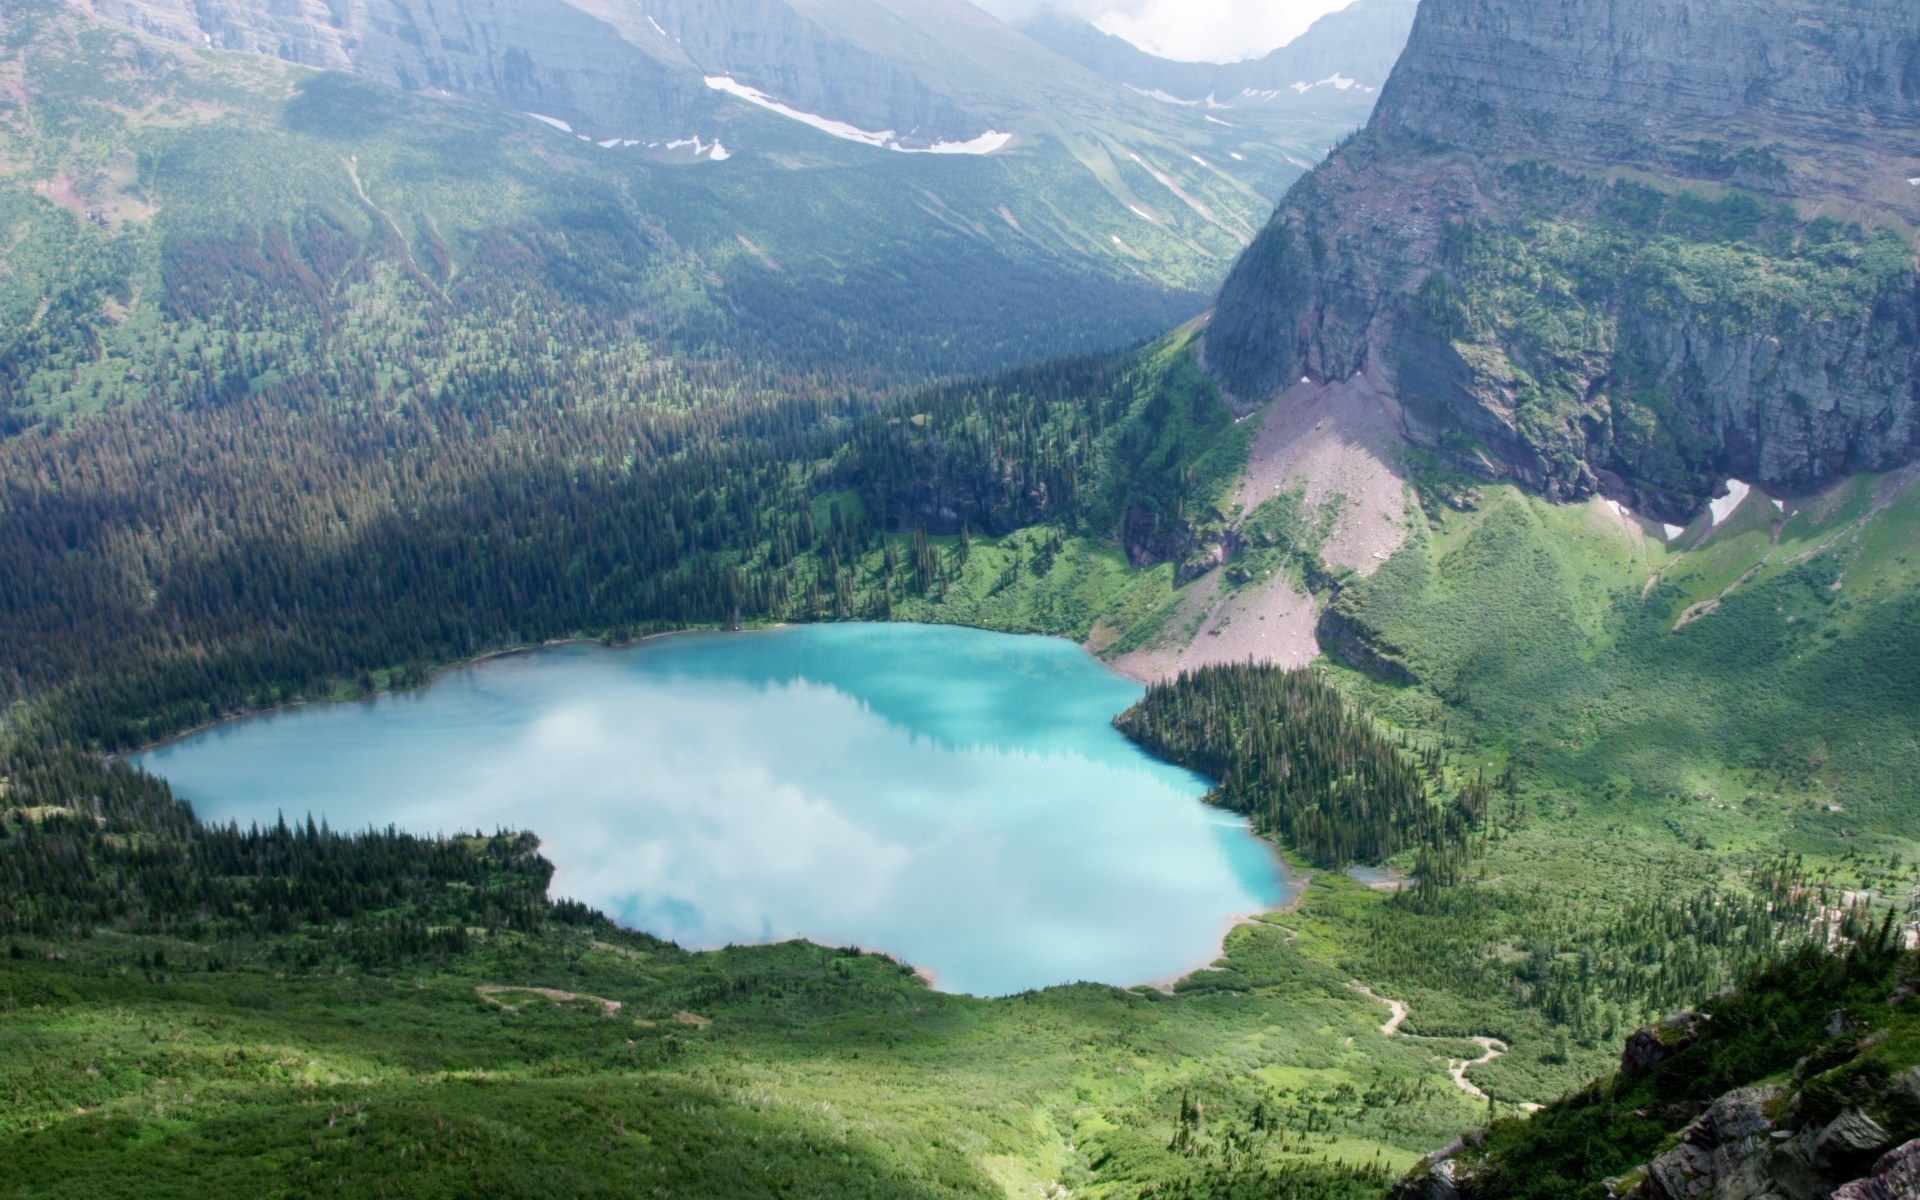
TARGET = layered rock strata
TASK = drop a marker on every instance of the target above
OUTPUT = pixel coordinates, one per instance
(1629, 246)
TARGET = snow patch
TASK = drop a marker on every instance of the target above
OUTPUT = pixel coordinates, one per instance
(1142, 213)
(1673, 531)
(1619, 510)
(1203, 162)
(556, 122)
(1914, 182)
(1218, 121)
(1162, 97)
(716, 151)
(986, 143)
(1337, 80)
(609, 144)
(1723, 507)
(1235, 156)
(656, 27)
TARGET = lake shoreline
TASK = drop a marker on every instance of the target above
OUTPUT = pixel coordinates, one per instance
(437, 673)
(602, 757)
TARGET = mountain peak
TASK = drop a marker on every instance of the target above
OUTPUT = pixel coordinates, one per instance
(1616, 246)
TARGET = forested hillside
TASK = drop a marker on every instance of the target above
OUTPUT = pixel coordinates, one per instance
(190, 226)
(1293, 754)
(311, 389)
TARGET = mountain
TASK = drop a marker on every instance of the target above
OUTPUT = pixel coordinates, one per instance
(1049, 150)
(1341, 61)
(1625, 248)
(1796, 1084)
(316, 382)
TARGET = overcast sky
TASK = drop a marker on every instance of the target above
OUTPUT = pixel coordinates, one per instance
(1203, 30)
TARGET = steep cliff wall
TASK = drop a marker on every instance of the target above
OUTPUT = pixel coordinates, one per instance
(1635, 246)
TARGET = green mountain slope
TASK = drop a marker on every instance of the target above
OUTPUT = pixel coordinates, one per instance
(184, 223)
(1085, 167)
(313, 387)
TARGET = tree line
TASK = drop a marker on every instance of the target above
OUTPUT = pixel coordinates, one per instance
(1298, 758)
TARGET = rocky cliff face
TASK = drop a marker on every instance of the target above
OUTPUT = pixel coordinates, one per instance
(1799, 1085)
(1633, 246)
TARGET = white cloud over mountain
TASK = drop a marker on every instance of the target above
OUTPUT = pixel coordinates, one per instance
(1195, 30)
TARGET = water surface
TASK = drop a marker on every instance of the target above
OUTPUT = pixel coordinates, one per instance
(956, 798)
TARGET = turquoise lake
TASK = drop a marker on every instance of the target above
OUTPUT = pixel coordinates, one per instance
(955, 798)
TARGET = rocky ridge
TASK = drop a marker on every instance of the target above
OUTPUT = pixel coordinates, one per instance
(1830, 1112)
(1617, 246)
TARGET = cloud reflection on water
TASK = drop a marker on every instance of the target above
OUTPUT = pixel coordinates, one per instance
(682, 795)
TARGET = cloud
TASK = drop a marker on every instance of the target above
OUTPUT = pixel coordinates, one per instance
(713, 811)
(1195, 30)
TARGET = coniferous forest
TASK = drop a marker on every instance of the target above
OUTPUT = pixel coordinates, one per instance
(311, 391)
(1292, 753)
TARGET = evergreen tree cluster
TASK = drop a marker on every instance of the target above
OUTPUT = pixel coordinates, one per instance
(1022, 449)
(1292, 754)
(1597, 966)
(87, 845)
(355, 521)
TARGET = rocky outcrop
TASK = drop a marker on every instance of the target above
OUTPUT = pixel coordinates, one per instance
(1894, 1177)
(1648, 1048)
(1575, 239)
(1840, 1124)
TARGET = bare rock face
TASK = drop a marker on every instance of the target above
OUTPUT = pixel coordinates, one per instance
(1649, 1047)
(1850, 1140)
(1725, 1152)
(1582, 241)
(1895, 1177)
(1612, 81)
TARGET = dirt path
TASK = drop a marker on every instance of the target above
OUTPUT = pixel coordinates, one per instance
(1456, 1068)
(495, 993)
(1398, 1008)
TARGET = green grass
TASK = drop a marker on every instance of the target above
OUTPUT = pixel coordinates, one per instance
(1553, 628)
(784, 1070)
